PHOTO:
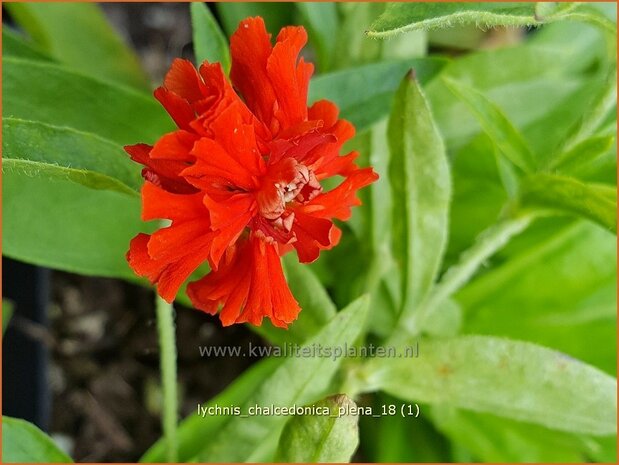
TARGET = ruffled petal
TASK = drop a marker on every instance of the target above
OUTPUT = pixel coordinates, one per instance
(312, 234)
(289, 79)
(158, 203)
(216, 169)
(162, 173)
(250, 48)
(337, 203)
(167, 273)
(229, 217)
(249, 285)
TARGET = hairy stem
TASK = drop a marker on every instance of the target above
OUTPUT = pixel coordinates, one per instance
(167, 347)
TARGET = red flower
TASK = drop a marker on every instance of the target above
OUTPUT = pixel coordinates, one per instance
(240, 179)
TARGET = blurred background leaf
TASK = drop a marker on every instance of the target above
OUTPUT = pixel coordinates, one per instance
(7, 313)
(209, 41)
(22, 442)
(63, 29)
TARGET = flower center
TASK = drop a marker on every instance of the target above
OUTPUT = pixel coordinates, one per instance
(286, 181)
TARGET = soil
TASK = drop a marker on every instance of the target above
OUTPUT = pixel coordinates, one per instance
(104, 370)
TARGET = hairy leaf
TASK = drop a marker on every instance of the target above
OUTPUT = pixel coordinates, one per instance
(321, 438)
(420, 180)
(517, 380)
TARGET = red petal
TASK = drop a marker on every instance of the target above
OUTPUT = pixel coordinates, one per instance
(169, 275)
(162, 173)
(175, 145)
(337, 203)
(161, 204)
(289, 80)
(250, 285)
(313, 234)
(229, 218)
(184, 81)
(250, 47)
(216, 167)
(179, 109)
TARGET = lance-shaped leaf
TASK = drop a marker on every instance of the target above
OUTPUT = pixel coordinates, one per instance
(79, 35)
(209, 41)
(60, 96)
(298, 381)
(597, 202)
(421, 192)
(13, 44)
(514, 379)
(63, 225)
(323, 438)
(405, 17)
(574, 161)
(22, 442)
(47, 151)
(510, 143)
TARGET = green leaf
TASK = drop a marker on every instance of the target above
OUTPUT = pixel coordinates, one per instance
(324, 438)
(577, 11)
(53, 94)
(364, 94)
(397, 439)
(495, 439)
(514, 379)
(421, 186)
(597, 110)
(297, 381)
(517, 297)
(38, 149)
(573, 161)
(404, 17)
(317, 308)
(209, 42)
(593, 201)
(13, 44)
(193, 429)
(527, 82)
(64, 225)
(7, 313)
(322, 23)
(275, 15)
(503, 134)
(79, 35)
(24, 442)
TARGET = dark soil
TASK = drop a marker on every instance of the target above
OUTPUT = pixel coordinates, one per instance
(104, 371)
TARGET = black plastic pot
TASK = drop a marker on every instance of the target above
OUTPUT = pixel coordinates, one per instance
(25, 389)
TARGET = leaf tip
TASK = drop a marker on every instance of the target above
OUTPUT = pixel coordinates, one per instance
(411, 75)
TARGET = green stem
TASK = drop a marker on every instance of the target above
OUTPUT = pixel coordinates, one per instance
(487, 244)
(167, 348)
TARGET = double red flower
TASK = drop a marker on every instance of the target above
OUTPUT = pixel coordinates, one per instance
(240, 178)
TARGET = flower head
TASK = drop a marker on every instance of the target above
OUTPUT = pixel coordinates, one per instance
(240, 179)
